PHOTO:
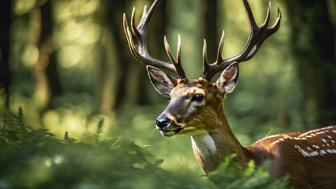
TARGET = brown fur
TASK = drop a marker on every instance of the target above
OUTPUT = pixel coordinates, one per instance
(316, 172)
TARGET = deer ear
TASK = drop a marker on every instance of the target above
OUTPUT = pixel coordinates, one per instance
(228, 79)
(162, 82)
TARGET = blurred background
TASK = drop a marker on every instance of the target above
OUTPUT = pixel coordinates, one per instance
(67, 65)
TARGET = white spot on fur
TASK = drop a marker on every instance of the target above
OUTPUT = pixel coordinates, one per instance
(323, 148)
(315, 146)
(321, 152)
(277, 141)
(305, 153)
(331, 151)
(314, 153)
(268, 137)
(318, 131)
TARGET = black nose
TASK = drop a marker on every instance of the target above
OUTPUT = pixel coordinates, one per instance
(162, 121)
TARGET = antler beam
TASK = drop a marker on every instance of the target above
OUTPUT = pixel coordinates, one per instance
(258, 34)
(137, 38)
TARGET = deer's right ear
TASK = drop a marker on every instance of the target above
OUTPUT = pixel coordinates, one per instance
(162, 82)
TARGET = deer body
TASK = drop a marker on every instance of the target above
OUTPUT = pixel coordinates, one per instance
(309, 158)
(196, 108)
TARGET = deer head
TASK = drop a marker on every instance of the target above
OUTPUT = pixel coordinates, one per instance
(194, 103)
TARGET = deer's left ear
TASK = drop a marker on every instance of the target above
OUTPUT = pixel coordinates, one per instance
(162, 82)
(228, 79)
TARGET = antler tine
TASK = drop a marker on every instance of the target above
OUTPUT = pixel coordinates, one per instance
(144, 13)
(276, 25)
(137, 37)
(168, 50)
(268, 15)
(128, 34)
(257, 36)
(133, 26)
(145, 21)
(249, 12)
(125, 27)
(179, 43)
(206, 65)
(178, 66)
(177, 63)
(220, 49)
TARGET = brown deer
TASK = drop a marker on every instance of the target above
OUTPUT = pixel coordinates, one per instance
(196, 108)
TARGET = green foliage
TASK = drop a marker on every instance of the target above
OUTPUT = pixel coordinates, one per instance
(230, 175)
(34, 158)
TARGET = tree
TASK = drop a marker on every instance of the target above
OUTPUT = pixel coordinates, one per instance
(45, 69)
(5, 22)
(210, 27)
(113, 66)
(313, 45)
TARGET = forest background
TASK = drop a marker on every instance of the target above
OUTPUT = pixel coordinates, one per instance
(69, 86)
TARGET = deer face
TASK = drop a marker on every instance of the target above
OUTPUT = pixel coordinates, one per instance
(192, 102)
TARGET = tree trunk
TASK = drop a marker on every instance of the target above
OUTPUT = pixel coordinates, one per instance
(114, 63)
(48, 85)
(313, 45)
(5, 22)
(210, 27)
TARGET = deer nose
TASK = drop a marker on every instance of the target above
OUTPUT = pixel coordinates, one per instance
(162, 121)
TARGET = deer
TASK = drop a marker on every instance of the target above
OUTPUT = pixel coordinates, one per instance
(195, 108)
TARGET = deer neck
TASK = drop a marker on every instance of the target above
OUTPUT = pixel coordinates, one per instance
(211, 147)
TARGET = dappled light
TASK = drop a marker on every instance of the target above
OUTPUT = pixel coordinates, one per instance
(78, 111)
(30, 56)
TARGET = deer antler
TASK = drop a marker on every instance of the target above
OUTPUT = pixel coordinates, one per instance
(257, 36)
(137, 41)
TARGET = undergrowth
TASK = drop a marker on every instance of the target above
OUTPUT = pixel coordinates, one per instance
(35, 158)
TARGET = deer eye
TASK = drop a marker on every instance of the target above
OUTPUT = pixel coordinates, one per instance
(198, 97)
